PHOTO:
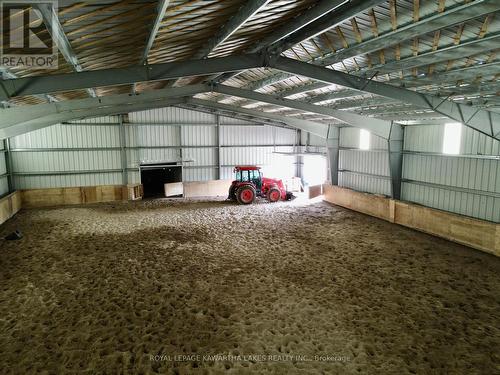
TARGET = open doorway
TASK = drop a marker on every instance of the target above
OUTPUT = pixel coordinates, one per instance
(155, 176)
(314, 170)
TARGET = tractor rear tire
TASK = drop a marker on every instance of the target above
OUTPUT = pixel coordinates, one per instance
(246, 194)
(273, 195)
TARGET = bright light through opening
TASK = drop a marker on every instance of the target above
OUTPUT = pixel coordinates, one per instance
(364, 139)
(451, 139)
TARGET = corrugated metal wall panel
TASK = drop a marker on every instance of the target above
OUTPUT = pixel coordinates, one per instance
(65, 161)
(349, 138)
(465, 185)
(256, 135)
(143, 135)
(136, 157)
(372, 162)
(460, 202)
(234, 121)
(199, 135)
(475, 174)
(40, 182)
(69, 136)
(4, 185)
(199, 156)
(171, 115)
(370, 184)
(427, 138)
(199, 174)
(147, 141)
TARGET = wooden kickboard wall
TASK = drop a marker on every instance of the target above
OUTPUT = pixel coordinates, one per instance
(479, 234)
(77, 195)
(9, 206)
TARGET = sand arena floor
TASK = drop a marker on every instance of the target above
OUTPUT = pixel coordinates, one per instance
(157, 287)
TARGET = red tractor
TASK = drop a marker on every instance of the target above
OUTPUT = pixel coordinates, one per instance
(250, 183)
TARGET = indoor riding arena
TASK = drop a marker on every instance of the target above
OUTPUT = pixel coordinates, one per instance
(250, 187)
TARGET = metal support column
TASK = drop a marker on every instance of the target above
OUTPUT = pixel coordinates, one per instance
(123, 153)
(395, 144)
(8, 164)
(332, 151)
(219, 156)
(299, 159)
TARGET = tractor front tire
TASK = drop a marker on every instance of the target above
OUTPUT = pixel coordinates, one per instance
(232, 193)
(246, 194)
(273, 195)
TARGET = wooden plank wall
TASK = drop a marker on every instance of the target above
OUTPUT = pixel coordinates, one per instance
(9, 206)
(77, 195)
(479, 234)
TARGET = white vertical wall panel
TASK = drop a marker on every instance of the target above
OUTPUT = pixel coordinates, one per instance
(50, 161)
(153, 135)
(171, 115)
(234, 121)
(199, 135)
(256, 135)
(199, 156)
(359, 182)
(4, 184)
(349, 138)
(429, 138)
(48, 181)
(465, 185)
(135, 157)
(69, 136)
(467, 173)
(363, 170)
(372, 162)
(461, 202)
(199, 174)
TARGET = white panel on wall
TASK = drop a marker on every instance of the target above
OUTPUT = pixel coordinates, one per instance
(370, 184)
(256, 135)
(4, 185)
(235, 121)
(480, 206)
(49, 181)
(199, 156)
(199, 135)
(199, 174)
(349, 138)
(171, 115)
(467, 185)
(136, 157)
(468, 173)
(372, 162)
(48, 161)
(143, 135)
(69, 136)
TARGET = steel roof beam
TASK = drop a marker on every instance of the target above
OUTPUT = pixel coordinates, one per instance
(129, 75)
(50, 120)
(316, 128)
(243, 14)
(160, 14)
(322, 13)
(51, 20)
(442, 20)
(486, 122)
(375, 126)
(24, 114)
